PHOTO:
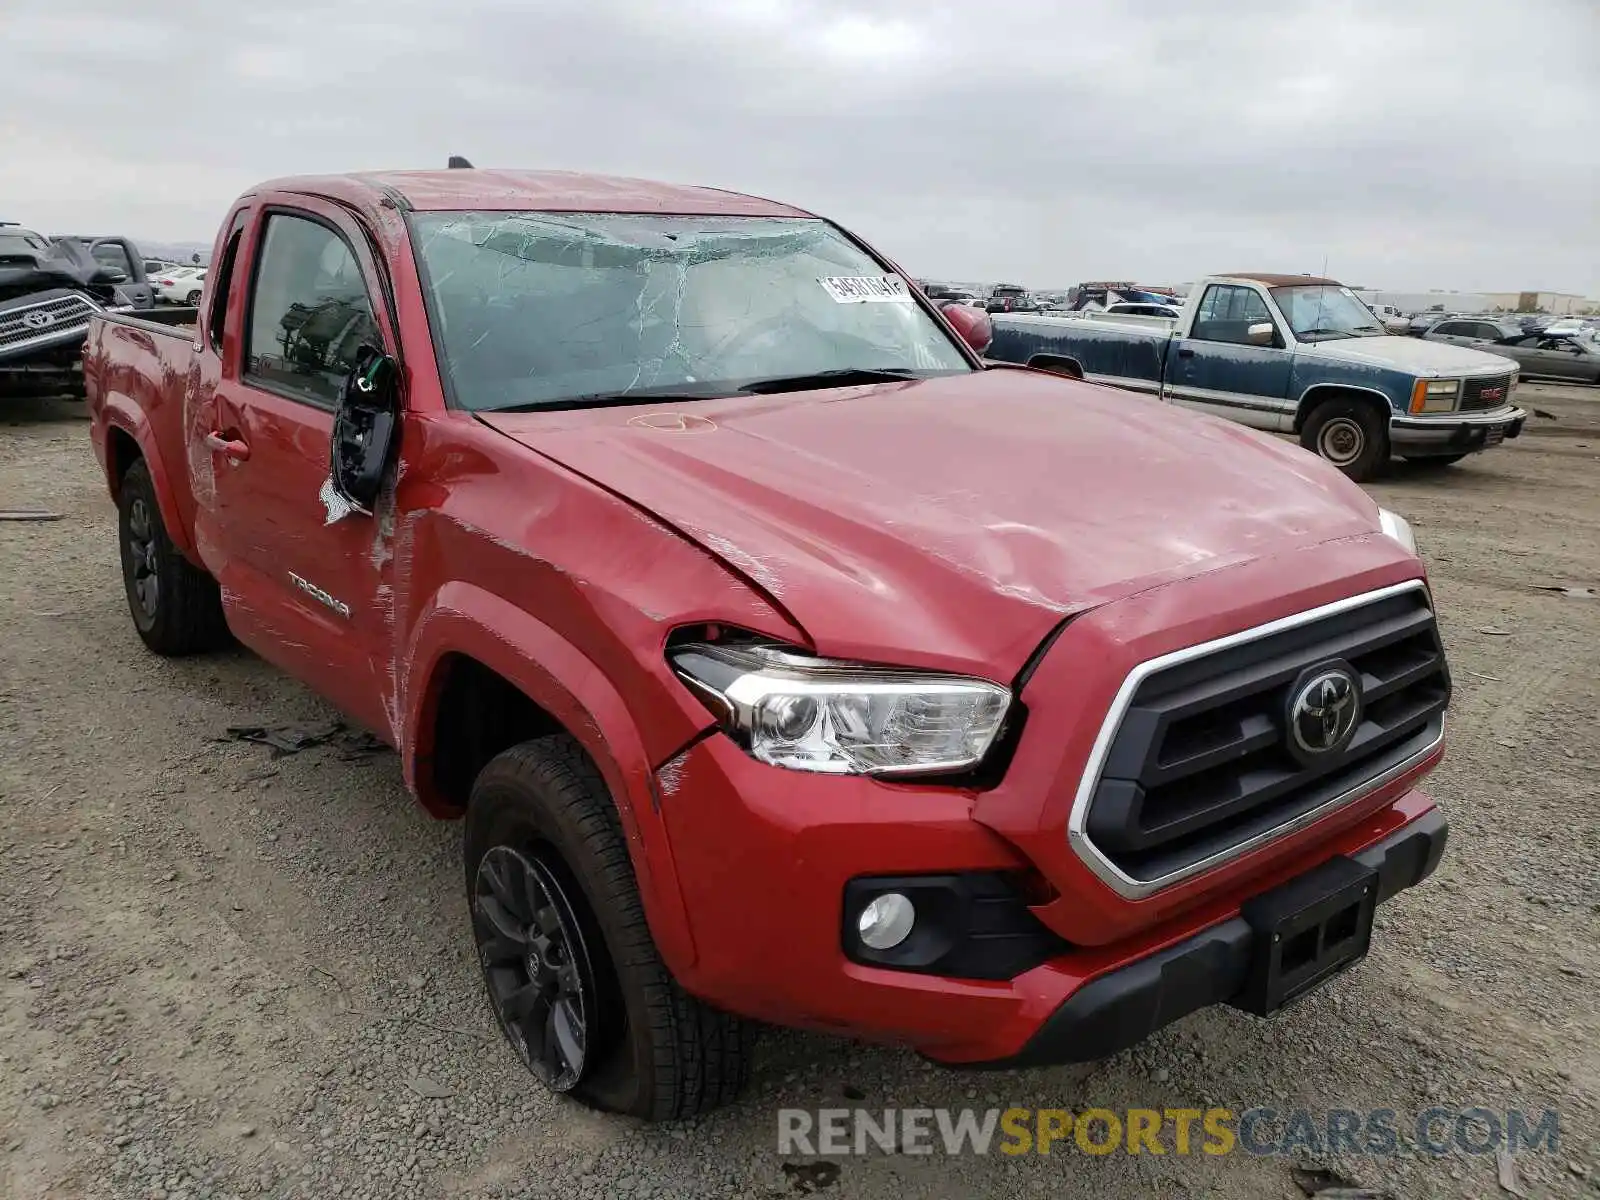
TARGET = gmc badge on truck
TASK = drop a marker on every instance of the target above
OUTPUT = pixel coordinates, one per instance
(321, 596)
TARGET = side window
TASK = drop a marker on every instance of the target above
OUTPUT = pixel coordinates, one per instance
(109, 254)
(1452, 329)
(1227, 312)
(309, 311)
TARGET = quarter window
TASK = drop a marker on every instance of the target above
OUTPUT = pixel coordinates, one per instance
(309, 311)
(224, 285)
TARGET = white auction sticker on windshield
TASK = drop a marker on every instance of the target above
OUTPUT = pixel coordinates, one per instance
(861, 289)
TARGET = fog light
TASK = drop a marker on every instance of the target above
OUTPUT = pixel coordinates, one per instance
(886, 922)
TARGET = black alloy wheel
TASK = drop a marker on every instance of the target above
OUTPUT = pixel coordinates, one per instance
(141, 555)
(537, 965)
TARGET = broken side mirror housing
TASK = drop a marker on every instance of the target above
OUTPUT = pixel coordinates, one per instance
(365, 427)
(1259, 335)
(972, 324)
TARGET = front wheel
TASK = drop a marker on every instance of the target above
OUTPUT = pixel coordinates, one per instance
(1350, 434)
(573, 975)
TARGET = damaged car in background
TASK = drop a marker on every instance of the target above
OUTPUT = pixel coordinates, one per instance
(786, 662)
(48, 291)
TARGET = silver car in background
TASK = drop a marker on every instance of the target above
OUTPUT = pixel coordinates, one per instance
(1539, 354)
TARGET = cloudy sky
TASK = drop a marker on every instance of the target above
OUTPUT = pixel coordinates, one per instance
(1406, 143)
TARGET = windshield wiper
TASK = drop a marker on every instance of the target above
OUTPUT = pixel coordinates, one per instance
(840, 377)
(610, 399)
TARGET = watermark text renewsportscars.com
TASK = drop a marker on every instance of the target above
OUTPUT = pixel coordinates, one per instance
(1381, 1132)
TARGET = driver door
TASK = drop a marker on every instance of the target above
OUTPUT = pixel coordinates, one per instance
(1217, 369)
(310, 595)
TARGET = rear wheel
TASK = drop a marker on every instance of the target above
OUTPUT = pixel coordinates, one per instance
(193, 299)
(573, 975)
(176, 607)
(1348, 433)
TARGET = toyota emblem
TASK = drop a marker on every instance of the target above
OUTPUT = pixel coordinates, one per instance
(1324, 710)
(38, 320)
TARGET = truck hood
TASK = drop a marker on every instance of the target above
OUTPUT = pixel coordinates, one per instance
(1427, 360)
(953, 522)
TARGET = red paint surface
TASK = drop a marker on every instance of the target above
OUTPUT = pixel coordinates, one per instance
(950, 523)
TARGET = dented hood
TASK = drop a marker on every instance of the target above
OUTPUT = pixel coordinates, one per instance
(953, 522)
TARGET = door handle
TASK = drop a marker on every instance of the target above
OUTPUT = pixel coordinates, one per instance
(230, 448)
(1185, 352)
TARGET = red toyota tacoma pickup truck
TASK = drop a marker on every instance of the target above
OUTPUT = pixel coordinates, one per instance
(786, 661)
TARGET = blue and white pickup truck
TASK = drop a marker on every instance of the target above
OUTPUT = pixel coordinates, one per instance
(1291, 354)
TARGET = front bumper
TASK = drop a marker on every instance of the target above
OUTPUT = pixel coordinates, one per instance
(764, 859)
(1454, 433)
(1124, 1006)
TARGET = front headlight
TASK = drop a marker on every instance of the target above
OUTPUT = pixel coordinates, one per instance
(817, 714)
(1397, 527)
(1435, 395)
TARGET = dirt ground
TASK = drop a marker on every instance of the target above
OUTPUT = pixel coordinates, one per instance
(228, 974)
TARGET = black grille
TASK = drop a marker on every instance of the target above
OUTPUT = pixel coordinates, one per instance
(1200, 762)
(1485, 393)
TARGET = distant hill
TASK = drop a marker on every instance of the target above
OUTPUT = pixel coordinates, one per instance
(182, 252)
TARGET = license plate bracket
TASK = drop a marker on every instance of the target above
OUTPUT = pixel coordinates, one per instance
(1306, 932)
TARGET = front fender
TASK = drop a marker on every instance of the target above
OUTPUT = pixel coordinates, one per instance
(118, 411)
(463, 618)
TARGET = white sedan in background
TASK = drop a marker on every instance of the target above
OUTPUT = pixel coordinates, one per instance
(182, 286)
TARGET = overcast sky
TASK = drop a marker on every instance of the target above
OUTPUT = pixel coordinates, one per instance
(1406, 143)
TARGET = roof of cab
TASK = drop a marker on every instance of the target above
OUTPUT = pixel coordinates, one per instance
(534, 191)
(1279, 280)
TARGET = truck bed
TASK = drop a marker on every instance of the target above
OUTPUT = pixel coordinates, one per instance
(1127, 351)
(174, 322)
(136, 373)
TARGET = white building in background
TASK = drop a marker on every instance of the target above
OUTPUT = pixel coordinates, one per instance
(1561, 304)
(1556, 303)
(1415, 302)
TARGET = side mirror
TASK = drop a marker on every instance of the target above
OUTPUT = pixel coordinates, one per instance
(364, 429)
(1259, 335)
(972, 324)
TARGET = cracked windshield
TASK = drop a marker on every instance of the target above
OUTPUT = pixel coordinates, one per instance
(550, 311)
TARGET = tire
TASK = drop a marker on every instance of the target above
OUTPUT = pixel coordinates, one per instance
(192, 299)
(648, 1048)
(176, 607)
(1348, 433)
(1432, 461)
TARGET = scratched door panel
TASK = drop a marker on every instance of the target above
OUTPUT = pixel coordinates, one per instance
(304, 593)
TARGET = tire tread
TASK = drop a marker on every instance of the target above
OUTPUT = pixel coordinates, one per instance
(701, 1056)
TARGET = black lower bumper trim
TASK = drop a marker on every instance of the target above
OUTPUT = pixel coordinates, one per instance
(1122, 1008)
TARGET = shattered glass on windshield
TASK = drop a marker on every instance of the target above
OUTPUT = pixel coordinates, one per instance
(534, 310)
